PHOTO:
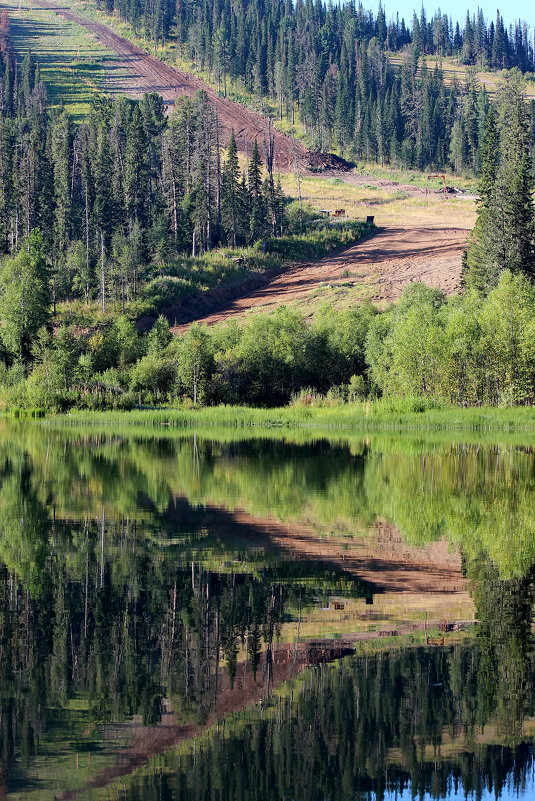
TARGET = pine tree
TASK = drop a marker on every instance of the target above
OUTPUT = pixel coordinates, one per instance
(480, 269)
(61, 149)
(503, 238)
(258, 206)
(230, 194)
(254, 172)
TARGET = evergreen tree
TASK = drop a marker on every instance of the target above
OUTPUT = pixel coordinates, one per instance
(257, 200)
(231, 205)
(503, 238)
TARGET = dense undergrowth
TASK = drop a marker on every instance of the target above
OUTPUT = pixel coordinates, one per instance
(187, 277)
(426, 351)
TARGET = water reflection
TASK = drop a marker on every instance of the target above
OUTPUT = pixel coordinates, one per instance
(419, 719)
(151, 588)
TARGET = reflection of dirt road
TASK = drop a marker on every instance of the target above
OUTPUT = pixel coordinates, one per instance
(377, 555)
(137, 743)
(384, 263)
(380, 558)
(145, 73)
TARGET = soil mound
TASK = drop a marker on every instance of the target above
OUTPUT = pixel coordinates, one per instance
(318, 162)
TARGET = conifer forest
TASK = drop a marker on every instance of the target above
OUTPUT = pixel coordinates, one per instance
(267, 390)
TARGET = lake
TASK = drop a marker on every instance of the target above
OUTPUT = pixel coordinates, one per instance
(252, 616)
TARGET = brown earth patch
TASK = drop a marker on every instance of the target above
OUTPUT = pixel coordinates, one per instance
(378, 555)
(383, 265)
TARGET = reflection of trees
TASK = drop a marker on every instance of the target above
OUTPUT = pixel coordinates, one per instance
(115, 613)
(24, 519)
(105, 617)
(372, 723)
(481, 497)
(506, 646)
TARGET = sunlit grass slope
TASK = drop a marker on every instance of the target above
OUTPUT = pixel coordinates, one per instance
(73, 64)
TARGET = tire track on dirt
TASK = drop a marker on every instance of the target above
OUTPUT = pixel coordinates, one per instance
(149, 74)
(384, 263)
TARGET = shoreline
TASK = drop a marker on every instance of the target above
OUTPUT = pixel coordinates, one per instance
(388, 416)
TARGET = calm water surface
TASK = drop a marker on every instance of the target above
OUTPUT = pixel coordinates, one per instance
(309, 619)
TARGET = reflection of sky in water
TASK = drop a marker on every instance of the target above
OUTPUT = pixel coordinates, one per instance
(508, 794)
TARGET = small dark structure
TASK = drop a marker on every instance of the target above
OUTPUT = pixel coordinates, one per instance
(436, 175)
(369, 219)
(316, 161)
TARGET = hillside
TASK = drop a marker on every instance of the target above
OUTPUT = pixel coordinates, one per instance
(381, 105)
(378, 269)
(124, 68)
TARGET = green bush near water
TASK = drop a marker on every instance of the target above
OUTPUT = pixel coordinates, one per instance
(424, 353)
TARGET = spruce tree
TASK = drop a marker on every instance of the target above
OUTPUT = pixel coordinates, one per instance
(258, 205)
(503, 238)
(230, 194)
(480, 270)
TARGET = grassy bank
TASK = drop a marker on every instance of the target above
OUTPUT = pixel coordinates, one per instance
(372, 416)
(186, 279)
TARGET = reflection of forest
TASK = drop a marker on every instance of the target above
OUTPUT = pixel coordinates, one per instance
(417, 718)
(95, 613)
(479, 497)
(118, 599)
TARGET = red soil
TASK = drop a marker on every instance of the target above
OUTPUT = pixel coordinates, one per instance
(384, 263)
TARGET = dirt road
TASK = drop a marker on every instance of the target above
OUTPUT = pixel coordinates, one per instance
(383, 264)
(142, 73)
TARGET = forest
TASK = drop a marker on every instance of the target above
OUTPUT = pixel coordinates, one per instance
(117, 197)
(107, 224)
(331, 65)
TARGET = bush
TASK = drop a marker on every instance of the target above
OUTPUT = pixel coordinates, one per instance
(166, 289)
(318, 241)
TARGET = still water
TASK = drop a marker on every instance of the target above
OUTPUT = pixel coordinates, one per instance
(297, 618)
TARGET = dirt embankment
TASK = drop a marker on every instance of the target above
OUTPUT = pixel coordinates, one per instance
(142, 72)
(383, 265)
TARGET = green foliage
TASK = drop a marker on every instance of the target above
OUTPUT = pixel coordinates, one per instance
(195, 362)
(504, 235)
(425, 350)
(24, 297)
(466, 350)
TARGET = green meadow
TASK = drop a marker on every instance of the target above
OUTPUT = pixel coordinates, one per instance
(74, 65)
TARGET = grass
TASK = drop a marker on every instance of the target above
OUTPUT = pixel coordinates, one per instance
(189, 276)
(454, 70)
(388, 205)
(416, 178)
(387, 415)
(74, 64)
